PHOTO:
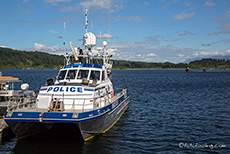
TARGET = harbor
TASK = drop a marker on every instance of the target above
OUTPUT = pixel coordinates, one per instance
(114, 77)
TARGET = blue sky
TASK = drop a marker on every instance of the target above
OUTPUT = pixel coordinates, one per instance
(151, 30)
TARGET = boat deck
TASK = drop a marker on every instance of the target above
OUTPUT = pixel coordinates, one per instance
(31, 106)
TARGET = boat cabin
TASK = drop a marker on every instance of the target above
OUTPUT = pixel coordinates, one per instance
(79, 87)
(79, 74)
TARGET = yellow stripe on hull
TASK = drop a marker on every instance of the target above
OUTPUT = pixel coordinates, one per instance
(89, 138)
(116, 120)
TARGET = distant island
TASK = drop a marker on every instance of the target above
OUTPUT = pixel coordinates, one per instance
(15, 59)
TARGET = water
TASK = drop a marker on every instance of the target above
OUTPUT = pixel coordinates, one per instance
(170, 111)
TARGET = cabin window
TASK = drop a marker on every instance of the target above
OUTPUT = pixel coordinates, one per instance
(95, 75)
(71, 74)
(82, 74)
(61, 75)
(103, 75)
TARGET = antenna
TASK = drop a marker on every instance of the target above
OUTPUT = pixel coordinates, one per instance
(109, 25)
(64, 44)
(100, 38)
(109, 71)
(86, 20)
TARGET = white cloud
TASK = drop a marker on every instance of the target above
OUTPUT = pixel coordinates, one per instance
(113, 51)
(206, 53)
(151, 55)
(175, 40)
(69, 8)
(105, 36)
(113, 5)
(186, 33)
(218, 33)
(225, 26)
(224, 41)
(25, 1)
(41, 47)
(133, 46)
(168, 3)
(180, 55)
(146, 4)
(130, 18)
(98, 4)
(183, 16)
(151, 51)
(187, 4)
(223, 19)
(52, 31)
(138, 57)
(224, 29)
(209, 3)
(55, 2)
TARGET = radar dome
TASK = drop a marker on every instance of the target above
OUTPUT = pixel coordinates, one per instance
(89, 40)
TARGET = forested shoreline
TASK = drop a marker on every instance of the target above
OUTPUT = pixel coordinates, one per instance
(16, 59)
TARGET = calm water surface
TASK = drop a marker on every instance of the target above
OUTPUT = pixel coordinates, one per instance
(170, 111)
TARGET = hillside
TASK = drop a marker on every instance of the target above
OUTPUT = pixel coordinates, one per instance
(210, 63)
(122, 64)
(15, 59)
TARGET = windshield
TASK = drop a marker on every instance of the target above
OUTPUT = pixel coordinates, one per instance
(95, 75)
(61, 75)
(71, 74)
(83, 74)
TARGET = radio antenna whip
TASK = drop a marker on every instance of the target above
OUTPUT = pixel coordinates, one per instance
(109, 44)
(64, 45)
(86, 20)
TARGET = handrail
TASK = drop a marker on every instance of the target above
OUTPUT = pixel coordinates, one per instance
(17, 103)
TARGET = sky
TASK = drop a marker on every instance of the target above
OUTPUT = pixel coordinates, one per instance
(139, 30)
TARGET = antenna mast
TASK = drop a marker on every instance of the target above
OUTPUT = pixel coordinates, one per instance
(64, 44)
(86, 20)
(109, 70)
(109, 25)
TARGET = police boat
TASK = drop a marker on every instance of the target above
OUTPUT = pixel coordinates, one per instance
(81, 101)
